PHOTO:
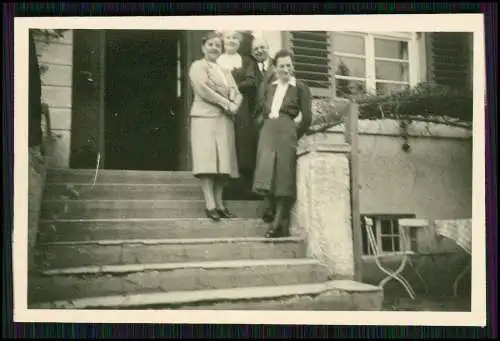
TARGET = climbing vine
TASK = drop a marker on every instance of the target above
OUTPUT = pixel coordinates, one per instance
(426, 102)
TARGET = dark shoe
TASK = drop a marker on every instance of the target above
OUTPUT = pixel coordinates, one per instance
(268, 216)
(225, 214)
(212, 214)
(272, 232)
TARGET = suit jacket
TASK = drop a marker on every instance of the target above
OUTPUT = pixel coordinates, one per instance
(212, 95)
(297, 101)
(263, 80)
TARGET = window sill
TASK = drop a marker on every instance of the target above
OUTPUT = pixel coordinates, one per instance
(388, 256)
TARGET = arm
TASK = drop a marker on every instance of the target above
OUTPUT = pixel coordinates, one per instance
(247, 81)
(199, 80)
(305, 102)
(236, 97)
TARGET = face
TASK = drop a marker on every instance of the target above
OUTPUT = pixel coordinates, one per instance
(284, 68)
(231, 42)
(260, 51)
(212, 48)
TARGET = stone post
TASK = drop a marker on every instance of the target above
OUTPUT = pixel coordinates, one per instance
(322, 212)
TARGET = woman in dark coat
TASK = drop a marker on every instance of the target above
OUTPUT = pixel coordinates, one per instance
(243, 69)
(275, 178)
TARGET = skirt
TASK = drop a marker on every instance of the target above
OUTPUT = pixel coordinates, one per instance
(276, 158)
(213, 146)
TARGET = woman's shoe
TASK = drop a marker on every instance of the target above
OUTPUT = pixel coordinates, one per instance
(268, 216)
(272, 232)
(212, 214)
(224, 213)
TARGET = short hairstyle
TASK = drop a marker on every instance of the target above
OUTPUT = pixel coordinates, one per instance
(238, 34)
(282, 54)
(210, 35)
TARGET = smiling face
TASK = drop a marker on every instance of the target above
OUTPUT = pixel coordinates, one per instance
(232, 41)
(212, 49)
(284, 68)
(260, 50)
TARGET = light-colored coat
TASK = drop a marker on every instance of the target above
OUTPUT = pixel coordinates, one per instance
(212, 94)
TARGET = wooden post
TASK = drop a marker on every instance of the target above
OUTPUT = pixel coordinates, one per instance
(352, 138)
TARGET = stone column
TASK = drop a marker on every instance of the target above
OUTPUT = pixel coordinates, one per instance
(322, 212)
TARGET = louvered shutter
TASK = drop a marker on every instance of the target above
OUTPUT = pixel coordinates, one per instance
(312, 60)
(449, 59)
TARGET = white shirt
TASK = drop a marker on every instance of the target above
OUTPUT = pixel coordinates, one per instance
(264, 66)
(230, 61)
(279, 96)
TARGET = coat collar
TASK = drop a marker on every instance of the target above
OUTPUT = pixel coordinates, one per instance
(292, 81)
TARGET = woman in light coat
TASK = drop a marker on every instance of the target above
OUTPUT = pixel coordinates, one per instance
(216, 101)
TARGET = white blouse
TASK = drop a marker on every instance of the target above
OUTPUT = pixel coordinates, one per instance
(230, 61)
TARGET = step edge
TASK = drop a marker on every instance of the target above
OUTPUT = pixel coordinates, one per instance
(132, 268)
(50, 201)
(119, 184)
(212, 295)
(176, 241)
(144, 220)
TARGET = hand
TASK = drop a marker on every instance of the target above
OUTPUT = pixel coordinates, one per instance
(233, 108)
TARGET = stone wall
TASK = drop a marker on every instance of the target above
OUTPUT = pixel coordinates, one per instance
(36, 185)
(55, 57)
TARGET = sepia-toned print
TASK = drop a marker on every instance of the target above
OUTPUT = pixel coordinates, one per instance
(250, 170)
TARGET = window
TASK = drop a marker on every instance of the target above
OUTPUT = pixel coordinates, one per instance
(355, 62)
(387, 235)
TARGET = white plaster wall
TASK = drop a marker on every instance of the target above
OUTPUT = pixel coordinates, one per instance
(433, 180)
(57, 57)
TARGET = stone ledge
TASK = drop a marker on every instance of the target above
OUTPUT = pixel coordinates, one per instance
(176, 241)
(332, 295)
(129, 268)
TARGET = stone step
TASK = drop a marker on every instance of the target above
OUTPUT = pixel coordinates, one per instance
(86, 282)
(98, 209)
(86, 176)
(161, 228)
(58, 191)
(146, 251)
(335, 295)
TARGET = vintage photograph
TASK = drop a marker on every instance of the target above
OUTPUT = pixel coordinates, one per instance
(250, 170)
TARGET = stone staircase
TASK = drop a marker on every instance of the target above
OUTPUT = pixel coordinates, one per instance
(139, 240)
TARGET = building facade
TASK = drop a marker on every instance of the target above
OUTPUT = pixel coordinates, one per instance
(115, 93)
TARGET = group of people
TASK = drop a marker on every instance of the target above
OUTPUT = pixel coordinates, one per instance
(244, 123)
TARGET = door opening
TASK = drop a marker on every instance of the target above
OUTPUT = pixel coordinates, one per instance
(144, 99)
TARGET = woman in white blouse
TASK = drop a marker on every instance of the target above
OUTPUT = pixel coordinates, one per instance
(285, 99)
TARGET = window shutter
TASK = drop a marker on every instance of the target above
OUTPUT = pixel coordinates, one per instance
(449, 59)
(311, 51)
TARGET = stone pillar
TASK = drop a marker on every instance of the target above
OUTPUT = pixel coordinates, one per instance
(322, 212)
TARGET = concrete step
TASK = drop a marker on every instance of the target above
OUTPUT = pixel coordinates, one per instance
(146, 251)
(86, 176)
(98, 209)
(58, 191)
(160, 228)
(86, 282)
(335, 295)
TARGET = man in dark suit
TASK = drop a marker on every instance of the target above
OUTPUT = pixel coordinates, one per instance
(266, 74)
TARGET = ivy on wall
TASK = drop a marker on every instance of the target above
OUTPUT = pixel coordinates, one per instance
(425, 102)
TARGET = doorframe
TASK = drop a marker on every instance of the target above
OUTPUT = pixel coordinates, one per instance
(101, 149)
(184, 157)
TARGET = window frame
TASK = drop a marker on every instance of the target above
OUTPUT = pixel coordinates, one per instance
(370, 58)
(414, 59)
(377, 220)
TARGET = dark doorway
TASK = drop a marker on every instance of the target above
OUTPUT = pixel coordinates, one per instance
(144, 100)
